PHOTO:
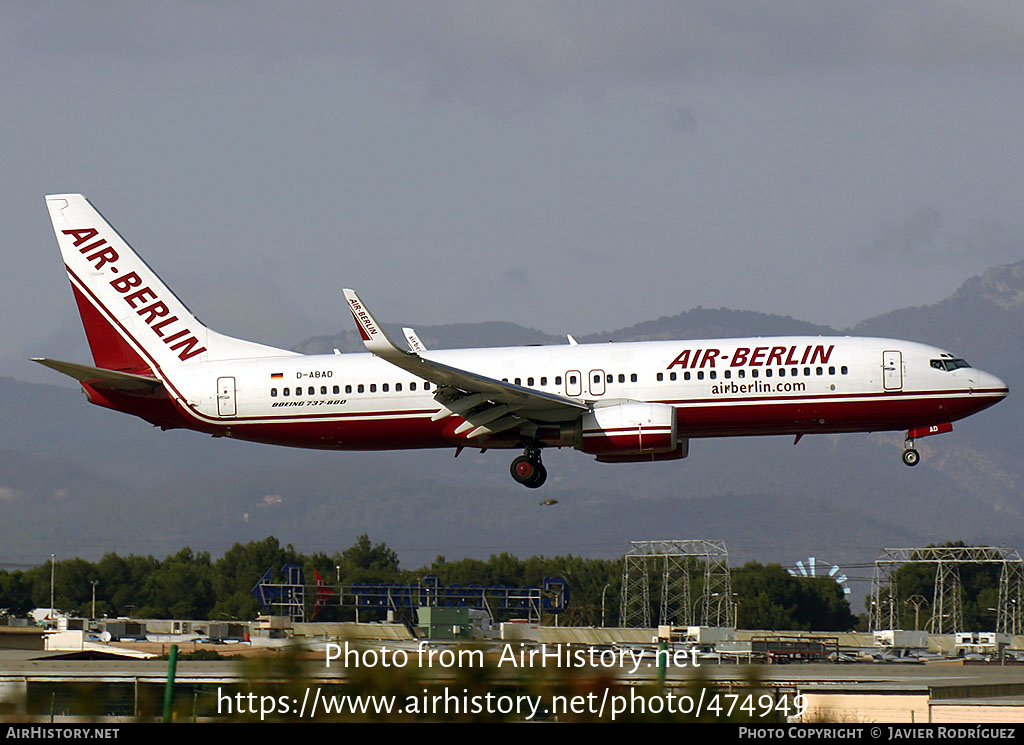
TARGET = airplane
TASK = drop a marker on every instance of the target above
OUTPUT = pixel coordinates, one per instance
(619, 402)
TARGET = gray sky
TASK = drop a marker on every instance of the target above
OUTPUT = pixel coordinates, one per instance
(574, 166)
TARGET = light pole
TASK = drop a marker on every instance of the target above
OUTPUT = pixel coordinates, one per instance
(53, 563)
(94, 582)
(603, 591)
(917, 601)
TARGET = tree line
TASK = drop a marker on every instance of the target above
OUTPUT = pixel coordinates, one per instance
(192, 585)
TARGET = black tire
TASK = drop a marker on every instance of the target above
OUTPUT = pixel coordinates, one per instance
(523, 470)
(540, 476)
(528, 472)
(911, 457)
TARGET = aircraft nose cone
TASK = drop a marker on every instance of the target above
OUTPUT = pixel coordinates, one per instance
(990, 383)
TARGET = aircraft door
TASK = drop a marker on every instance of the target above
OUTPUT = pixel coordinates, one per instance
(573, 383)
(226, 396)
(596, 382)
(892, 370)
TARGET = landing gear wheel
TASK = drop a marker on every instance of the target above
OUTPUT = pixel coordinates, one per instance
(911, 457)
(529, 472)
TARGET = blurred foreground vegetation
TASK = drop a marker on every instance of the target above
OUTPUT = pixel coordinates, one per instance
(274, 688)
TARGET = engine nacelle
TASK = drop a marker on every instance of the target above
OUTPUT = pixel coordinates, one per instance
(681, 451)
(627, 430)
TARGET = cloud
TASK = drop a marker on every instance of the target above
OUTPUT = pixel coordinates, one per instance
(682, 120)
(492, 50)
(921, 238)
(914, 237)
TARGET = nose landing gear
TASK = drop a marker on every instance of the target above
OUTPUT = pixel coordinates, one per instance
(910, 456)
(528, 470)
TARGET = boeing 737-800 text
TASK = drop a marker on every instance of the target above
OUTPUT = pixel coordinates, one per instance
(622, 403)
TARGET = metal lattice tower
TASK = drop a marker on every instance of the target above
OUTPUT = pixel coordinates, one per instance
(1010, 619)
(635, 608)
(947, 605)
(676, 559)
(675, 591)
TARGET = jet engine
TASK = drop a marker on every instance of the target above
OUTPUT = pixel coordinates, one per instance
(628, 432)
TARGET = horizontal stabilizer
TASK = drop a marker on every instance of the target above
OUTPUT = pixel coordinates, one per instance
(99, 377)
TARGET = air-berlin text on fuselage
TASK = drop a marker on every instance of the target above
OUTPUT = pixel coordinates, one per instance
(809, 354)
(156, 314)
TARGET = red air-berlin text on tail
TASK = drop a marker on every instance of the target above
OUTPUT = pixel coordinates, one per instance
(156, 314)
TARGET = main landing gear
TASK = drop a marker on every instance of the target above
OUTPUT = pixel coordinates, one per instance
(528, 470)
(910, 456)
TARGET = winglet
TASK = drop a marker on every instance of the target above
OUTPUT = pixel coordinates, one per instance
(411, 338)
(374, 337)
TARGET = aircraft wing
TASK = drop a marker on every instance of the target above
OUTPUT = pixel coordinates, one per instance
(99, 377)
(488, 405)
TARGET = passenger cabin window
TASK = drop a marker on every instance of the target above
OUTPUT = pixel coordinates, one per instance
(273, 392)
(632, 378)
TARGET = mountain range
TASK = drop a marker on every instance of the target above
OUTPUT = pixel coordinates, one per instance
(78, 480)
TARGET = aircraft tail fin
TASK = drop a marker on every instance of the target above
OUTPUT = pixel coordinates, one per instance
(132, 320)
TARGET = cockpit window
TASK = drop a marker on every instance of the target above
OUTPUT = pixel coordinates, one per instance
(949, 364)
